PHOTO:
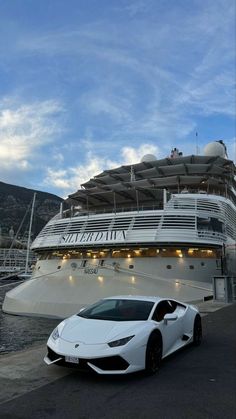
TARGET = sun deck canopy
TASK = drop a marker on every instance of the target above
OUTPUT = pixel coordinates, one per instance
(143, 183)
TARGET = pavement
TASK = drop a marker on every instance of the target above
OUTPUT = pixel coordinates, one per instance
(194, 383)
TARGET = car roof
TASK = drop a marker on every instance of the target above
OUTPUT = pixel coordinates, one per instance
(153, 299)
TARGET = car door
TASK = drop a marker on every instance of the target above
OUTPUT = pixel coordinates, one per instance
(172, 330)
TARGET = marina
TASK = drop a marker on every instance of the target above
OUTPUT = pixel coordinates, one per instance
(16, 258)
(117, 209)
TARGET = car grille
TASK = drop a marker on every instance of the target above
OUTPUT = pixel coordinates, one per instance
(111, 363)
(82, 362)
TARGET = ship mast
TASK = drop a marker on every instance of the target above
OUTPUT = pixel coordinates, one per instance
(29, 235)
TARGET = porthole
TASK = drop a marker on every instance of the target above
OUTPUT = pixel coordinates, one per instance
(168, 267)
(131, 266)
(191, 267)
(73, 265)
(59, 267)
(202, 263)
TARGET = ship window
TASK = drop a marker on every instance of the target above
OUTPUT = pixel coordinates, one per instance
(55, 255)
(59, 267)
(191, 267)
(168, 267)
(131, 266)
(202, 264)
(74, 254)
(209, 224)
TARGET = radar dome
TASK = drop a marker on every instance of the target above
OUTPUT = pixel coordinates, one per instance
(216, 148)
(148, 157)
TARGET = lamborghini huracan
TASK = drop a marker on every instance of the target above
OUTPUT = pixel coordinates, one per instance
(124, 334)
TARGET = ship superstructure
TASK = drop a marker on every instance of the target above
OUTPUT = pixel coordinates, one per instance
(138, 228)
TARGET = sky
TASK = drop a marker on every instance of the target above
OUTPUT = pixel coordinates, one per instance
(89, 85)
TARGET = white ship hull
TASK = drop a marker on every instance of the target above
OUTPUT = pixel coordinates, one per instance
(64, 293)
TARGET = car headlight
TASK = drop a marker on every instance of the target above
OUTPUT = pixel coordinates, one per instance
(55, 334)
(120, 342)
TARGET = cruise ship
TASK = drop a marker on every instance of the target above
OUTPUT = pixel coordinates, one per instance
(158, 227)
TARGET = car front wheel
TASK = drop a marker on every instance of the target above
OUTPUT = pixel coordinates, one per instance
(197, 331)
(153, 354)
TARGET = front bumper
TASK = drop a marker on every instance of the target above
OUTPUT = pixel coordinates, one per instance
(99, 358)
(109, 364)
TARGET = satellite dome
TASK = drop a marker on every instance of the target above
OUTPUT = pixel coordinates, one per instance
(216, 148)
(148, 157)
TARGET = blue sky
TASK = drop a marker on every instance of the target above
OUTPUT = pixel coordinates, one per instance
(87, 85)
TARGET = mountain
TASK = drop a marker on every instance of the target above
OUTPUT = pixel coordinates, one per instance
(16, 203)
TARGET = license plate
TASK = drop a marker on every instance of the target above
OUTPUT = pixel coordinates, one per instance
(72, 359)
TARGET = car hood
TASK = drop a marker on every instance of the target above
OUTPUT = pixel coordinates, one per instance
(97, 331)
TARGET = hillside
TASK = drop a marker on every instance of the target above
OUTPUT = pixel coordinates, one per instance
(14, 202)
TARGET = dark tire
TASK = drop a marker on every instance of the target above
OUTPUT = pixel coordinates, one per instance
(153, 354)
(197, 331)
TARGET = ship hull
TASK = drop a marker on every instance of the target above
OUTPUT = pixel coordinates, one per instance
(61, 294)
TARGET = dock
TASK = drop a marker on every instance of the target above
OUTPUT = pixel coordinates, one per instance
(196, 382)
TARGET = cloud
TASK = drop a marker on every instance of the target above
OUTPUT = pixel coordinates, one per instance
(58, 157)
(24, 129)
(109, 105)
(135, 7)
(133, 74)
(69, 180)
(176, 63)
(134, 155)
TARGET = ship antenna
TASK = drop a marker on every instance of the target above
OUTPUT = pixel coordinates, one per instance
(196, 143)
(29, 234)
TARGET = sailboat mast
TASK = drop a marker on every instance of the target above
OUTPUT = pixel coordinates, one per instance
(29, 235)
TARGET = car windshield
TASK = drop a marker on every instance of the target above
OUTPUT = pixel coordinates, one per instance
(118, 310)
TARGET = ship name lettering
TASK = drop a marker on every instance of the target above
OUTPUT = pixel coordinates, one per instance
(94, 236)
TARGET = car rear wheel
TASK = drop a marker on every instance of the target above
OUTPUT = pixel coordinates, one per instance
(153, 354)
(197, 331)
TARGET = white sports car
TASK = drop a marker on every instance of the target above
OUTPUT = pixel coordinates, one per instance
(120, 335)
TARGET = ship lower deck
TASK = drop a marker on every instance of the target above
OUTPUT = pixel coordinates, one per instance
(54, 292)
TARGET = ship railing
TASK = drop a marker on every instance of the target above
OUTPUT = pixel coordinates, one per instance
(175, 205)
(212, 235)
(74, 212)
(189, 235)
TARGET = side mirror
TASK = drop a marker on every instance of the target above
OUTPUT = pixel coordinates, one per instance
(170, 317)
